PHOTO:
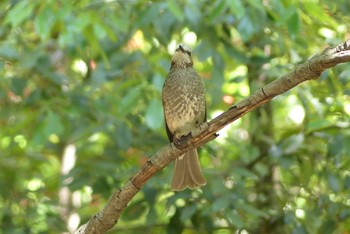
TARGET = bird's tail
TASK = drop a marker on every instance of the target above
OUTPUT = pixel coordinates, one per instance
(187, 172)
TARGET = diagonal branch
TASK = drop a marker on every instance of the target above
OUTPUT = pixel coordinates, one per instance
(309, 70)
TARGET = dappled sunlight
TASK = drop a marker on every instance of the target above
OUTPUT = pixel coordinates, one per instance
(80, 67)
(190, 38)
(230, 130)
(347, 108)
(297, 114)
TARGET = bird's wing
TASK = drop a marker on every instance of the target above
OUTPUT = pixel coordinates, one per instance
(168, 132)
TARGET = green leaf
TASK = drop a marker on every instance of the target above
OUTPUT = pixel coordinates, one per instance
(83, 21)
(8, 52)
(152, 216)
(244, 173)
(307, 172)
(203, 51)
(53, 124)
(328, 227)
(150, 194)
(99, 76)
(149, 14)
(120, 25)
(20, 12)
(44, 22)
(128, 102)
(347, 182)
(236, 7)
(18, 85)
(123, 136)
(334, 183)
(133, 211)
(109, 31)
(247, 208)
(192, 13)
(217, 10)
(175, 225)
(99, 31)
(316, 10)
(220, 204)
(318, 124)
(293, 24)
(299, 230)
(154, 115)
(175, 9)
(187, 212)
(336, 145)
(235, 219)
(246, 28)
(292, 143)
(258, 5)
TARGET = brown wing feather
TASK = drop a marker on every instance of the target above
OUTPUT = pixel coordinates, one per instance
(168, 132)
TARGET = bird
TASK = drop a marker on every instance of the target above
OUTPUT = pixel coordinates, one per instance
(184, 105)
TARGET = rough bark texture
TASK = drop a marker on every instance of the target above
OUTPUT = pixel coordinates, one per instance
(311, 69)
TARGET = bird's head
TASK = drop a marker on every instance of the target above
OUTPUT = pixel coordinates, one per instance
(182, 57)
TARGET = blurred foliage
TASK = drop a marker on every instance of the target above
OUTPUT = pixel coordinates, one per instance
(80, 112)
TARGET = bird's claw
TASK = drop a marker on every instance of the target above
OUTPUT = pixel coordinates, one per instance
(180, 140)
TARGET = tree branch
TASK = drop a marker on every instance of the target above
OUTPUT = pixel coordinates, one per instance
(309, 70)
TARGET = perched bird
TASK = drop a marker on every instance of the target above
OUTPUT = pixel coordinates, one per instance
(184, 109)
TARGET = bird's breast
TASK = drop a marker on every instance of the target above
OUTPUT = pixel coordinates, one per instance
(184, 101)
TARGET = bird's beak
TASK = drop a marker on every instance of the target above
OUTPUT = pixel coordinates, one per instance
(181, 48)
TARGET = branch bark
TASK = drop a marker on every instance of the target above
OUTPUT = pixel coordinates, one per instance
(311, 69)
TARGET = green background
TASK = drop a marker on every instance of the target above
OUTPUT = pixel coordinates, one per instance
(80, 112)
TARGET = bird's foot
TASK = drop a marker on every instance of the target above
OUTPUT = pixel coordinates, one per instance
(200, 127)
(179, 140)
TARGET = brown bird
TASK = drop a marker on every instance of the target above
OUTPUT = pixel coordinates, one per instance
(184, 109)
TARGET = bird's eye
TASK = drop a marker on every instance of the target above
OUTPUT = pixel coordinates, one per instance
(188, 52)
